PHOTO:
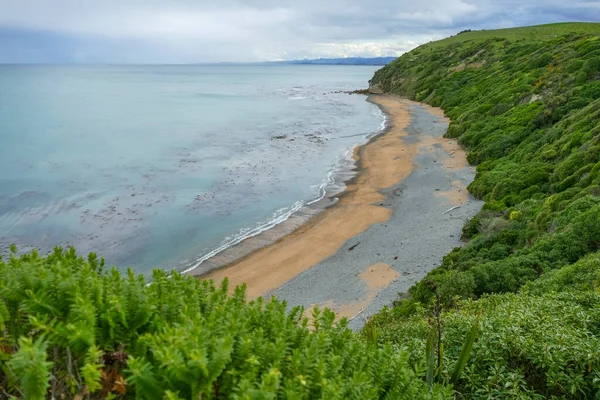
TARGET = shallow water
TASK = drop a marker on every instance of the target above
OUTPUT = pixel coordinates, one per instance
(158, 166)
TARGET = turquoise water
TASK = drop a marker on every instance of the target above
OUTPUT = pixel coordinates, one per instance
(158, 166)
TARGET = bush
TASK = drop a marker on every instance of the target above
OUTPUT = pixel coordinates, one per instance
(582, 276)
(529, 345)
(72, 329)
(534, 135)
(528, 112)
(453, 285)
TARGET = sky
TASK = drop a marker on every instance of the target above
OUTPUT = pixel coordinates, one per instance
(200, 31)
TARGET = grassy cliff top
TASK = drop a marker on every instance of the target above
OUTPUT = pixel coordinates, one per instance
(537, 32)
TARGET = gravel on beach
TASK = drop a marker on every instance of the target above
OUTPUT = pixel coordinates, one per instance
(412, 242)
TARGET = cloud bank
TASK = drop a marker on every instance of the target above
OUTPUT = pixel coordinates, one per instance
(187, 31)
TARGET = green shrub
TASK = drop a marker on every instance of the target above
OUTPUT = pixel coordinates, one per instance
(534, 135)
(579, 277)
(529, 116)
(453, 285)
(72, 330)
(528, 347)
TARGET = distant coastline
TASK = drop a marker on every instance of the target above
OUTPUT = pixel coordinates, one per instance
(323, 61)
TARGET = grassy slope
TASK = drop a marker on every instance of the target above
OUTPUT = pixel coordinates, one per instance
(525, 102)
(537, 32)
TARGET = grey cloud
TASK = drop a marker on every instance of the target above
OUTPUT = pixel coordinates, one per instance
(239, 30)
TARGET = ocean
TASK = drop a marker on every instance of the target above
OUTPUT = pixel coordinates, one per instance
(166, 166)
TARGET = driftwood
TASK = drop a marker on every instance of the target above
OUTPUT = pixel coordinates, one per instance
(353, 247)
(453, 208)
(357, 314)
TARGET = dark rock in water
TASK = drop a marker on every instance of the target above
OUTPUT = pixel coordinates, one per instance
(311, 137)
(360, 91)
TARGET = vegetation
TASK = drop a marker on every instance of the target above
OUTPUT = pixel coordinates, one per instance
(74, 330)
(526, 104)
(525, 33)
(529, 113)
(539, 343)
(514, 313)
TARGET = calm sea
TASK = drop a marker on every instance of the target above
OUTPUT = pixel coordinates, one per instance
(163, 166)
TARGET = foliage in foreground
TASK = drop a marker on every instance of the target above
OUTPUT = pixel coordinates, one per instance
(541, 343)
(73, 330)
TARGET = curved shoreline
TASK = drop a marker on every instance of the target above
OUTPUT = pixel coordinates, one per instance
(286, 220)
(382, 162)
(269, 232)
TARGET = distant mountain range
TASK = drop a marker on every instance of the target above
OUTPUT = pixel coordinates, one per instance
(343, 61)
(325, 61)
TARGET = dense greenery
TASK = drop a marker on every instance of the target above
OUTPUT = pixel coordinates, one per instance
(537, 32)
(539, 343)
(73, 330)
(529, 113)
(526, 104)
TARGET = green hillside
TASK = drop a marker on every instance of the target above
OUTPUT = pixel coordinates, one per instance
(525, 102)
(537, 32)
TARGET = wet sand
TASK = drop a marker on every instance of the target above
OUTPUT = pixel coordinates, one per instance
(388, 229)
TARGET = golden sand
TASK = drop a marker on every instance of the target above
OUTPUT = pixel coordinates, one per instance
(457, 156)
(382, 163)
(457, 195)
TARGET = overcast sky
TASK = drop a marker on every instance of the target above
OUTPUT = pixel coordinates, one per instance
(188, 31)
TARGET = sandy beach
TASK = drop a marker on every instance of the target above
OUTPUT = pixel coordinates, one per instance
(389, 228)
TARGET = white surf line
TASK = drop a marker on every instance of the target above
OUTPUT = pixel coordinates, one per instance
(328, 180)
(243, 236)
